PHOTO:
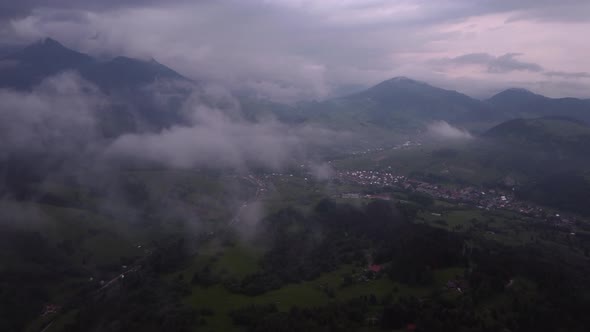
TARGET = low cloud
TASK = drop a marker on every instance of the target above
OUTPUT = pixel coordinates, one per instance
(58, 116)
(443, 130)
(321, 171)
(63, 117)
(216, 140)
(493, 64)
(52, 135)
(565, 74)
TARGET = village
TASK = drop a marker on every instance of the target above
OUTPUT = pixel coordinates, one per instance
(481, 198)
(373, 182)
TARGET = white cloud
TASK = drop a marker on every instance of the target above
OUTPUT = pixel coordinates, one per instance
(443, 130)
(300, 49)
(222, 139)
(59, 116)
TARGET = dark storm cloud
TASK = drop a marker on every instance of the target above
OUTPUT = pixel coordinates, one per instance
(493, 64)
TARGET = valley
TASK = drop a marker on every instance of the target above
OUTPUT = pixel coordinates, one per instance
(133, 198)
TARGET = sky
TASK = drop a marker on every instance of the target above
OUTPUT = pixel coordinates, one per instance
(291, 50)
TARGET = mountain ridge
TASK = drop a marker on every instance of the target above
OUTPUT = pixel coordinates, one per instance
(399, 102)
(49, 57)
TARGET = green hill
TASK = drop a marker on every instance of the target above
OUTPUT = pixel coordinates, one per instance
(551, 134)
(398, 103)
(521, 103)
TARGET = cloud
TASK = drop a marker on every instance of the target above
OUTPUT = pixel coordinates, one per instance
(290, 50)
(58, 116)
(494, 64)
(564, 74)
(64, 115)
(12, 9)
(321, 171)
(215, 140)
(442, 129)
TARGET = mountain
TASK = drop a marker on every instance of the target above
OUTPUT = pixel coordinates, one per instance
(123, 79)
(405, 103)
(554, 153)
(26, 68)
(517, 103)
(123, 73)
(515, 96)
(400, 103)
(29, 66)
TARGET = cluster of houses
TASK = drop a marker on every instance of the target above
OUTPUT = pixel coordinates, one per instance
(50, 309)
(372, 178)
(490, 199)
(486, 199)
(405, 145)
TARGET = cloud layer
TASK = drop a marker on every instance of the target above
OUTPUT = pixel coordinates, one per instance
(290, 50)
(62, 118)
(58, 116)
(443, 130)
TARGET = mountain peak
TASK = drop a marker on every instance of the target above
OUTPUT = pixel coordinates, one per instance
(515, 95)
(519, 90)
(48, 41)
(404, 80)
(47, 50)
(46, 45)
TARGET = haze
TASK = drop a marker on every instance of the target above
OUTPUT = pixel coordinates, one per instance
(290, 50)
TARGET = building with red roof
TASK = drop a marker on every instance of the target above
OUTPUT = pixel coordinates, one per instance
(375, 268)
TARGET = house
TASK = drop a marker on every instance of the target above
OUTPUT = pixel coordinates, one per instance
(376, 268)
(50, 309)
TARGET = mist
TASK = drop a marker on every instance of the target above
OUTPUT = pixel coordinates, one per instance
(444, 130)
(53, 134)
(58, 116)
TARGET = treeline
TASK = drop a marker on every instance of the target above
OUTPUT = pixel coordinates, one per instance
(504, 289)
(301, 247)
(527, 288)
(141, 300)
(568, 192)
(30, 266)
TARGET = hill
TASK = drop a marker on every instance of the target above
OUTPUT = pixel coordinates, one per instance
(125, 80)
(122, 73)
(399, 103)
(557, 134)
(517, 103)
(29, 66)
(26, 68)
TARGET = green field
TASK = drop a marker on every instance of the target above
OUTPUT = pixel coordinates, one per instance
(304, 294)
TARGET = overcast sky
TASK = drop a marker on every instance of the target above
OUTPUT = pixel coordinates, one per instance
(303, 49)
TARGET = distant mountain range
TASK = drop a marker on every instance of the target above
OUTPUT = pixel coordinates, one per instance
(29, 66)
(402, 103)
(124, 79)
(398, 103)
(516, 103)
